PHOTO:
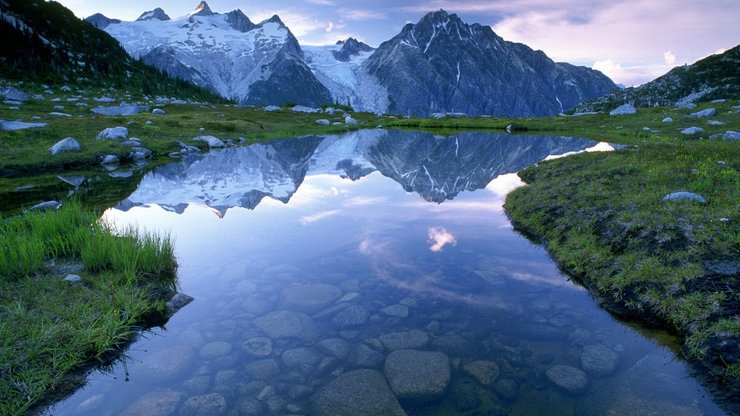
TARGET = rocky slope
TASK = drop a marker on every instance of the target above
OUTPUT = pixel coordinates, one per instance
(715, 77)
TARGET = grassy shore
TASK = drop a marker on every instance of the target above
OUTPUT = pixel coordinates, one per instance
(51, 327)
(671, 264)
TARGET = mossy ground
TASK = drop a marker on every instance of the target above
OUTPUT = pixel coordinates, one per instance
(50, 327)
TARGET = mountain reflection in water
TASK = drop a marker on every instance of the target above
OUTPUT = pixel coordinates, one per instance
(437, 168)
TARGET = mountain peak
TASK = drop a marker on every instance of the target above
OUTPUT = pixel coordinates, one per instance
(274, 19)
(157, 14)
(201, 10)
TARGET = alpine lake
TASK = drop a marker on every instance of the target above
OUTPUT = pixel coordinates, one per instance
(369, 273)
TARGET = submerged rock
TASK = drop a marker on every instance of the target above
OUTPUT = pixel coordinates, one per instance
(570, 379)
(405, 340)
(205, 405)
(485, 372)
(309, 297)
(288, 324)
(258, 346)
(356, 393)
(156, 403)
(353, 316)
(598, 360)
(417, 375)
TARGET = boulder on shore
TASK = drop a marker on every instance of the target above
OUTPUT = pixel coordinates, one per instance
(65, 145)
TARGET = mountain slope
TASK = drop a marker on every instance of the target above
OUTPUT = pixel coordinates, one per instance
(45, 42)
(442, 64)
(227, 53)
(717, 76)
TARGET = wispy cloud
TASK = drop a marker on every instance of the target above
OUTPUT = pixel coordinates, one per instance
(362, 14)
(310, 219)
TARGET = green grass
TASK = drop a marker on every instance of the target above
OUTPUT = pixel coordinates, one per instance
(50, 327)
(25, 152)
(602, 217)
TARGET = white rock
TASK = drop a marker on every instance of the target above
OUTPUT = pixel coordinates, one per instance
(123, 110)
(58, 114)
(113, 133)
(158, 112)
(667, 120)
(623, 109)
(350, 120)
(19, 125)
(715, 123)
(709, 112)
(110, 160)
(213, 142)
(323, 122)
(105, 100)
(65, 145)
(692, 130)
(304, 109)
(731, 135)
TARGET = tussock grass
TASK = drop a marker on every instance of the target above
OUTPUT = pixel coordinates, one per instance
(50, 327)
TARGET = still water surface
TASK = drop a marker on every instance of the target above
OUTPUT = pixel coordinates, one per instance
(314, 257)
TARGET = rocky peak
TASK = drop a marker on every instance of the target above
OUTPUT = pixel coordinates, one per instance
(201, 10)
(156, 14)
(239, 21)
(101, 21)
(351, 47)
(274, 19)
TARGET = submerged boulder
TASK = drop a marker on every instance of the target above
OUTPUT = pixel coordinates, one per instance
(356, 393)
(417, 375)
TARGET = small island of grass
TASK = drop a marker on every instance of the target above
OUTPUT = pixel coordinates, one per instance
(72, 293)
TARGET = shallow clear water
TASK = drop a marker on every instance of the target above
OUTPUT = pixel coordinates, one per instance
(313, 257)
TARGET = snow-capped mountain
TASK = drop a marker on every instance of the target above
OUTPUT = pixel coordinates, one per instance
(440, 64)
(251, 63)
(437, 168)
(338, 67)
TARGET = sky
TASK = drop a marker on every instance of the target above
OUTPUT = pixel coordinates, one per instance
(631, 41)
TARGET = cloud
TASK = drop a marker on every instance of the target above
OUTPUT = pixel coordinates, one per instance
(669, 58)
(362, 14)
(612, 32)
(439, 238)
(329, 27)
(310, 219)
